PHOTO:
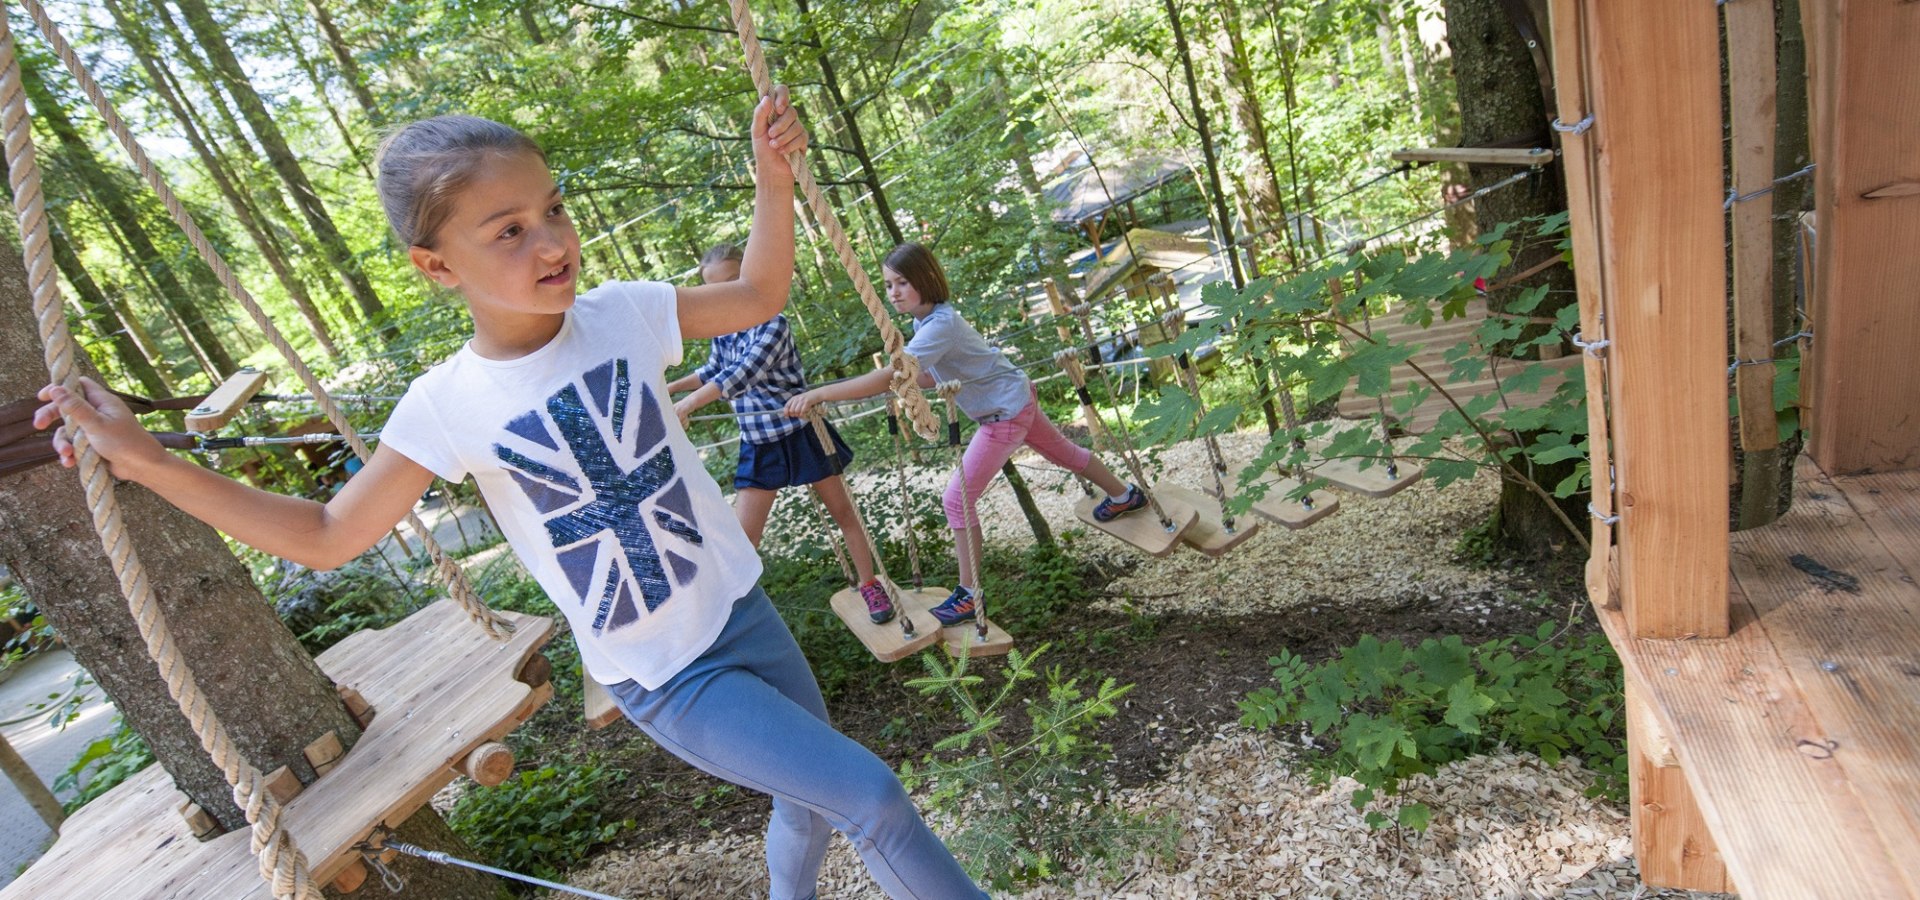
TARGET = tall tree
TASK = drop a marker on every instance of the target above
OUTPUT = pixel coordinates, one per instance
(233, 80)
(121, 329)
(1501, 104)
(140, 40)
(119, 207)
(255, 675)
(349, 67)
(849, 121)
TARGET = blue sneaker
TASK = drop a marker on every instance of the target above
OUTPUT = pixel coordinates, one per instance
(960, 606)
(1110, 509)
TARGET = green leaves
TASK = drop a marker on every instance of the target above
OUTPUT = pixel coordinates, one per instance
(1391, 712)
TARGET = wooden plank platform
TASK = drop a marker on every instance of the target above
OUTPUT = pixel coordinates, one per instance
(886, 641)
(1208, 534)
(439, 688)
(1275, 507)
(1433, 342)
(1799, 733)
(1142, 529)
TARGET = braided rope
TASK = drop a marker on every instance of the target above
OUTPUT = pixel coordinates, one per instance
(1175, 321)
(905, 383)
(458, 586)
(949, 391)
(818, 418)
(900, 473)
(1380, 402)
(1077, 370)
(281, 863)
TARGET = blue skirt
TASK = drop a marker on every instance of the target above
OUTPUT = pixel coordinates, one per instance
(794, 460)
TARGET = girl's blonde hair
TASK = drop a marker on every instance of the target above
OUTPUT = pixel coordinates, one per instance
(918, 266)
(424, 165)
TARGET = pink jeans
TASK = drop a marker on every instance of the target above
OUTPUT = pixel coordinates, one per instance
(993, 445)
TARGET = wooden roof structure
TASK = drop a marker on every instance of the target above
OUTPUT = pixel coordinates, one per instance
(1772, 676)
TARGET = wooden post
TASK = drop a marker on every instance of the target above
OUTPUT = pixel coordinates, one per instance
(1671, 841)
(1654, 76)
(31, 787)
(1751, 79)
(1861, 378)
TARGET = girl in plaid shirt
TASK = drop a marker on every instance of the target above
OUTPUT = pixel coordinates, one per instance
(758, 370)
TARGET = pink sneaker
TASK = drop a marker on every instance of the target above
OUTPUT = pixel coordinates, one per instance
(879, 605)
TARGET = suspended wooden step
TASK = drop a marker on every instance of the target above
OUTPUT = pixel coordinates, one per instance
(890, 641)
(439, 691)
(1276, 507)
(1209, 533)
(1371, 477)
(1142, 529)
(601, 711)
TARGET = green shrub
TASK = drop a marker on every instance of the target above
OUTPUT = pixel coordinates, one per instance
(1392, 712)
(112, 759)
(1026, 807)
(539, 822)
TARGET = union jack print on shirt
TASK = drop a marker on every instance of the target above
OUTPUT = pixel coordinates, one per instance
(596, 465)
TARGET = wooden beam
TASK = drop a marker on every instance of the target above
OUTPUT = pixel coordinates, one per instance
(1752, 77)
(1670, 837)
(1861, 378)
(225, 402)
(1486, 156)
(1654, 76)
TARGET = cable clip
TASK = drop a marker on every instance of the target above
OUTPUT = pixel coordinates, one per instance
(1596, 349)
(1604, 520)
(1579, 127)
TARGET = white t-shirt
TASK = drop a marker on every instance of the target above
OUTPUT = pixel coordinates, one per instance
(593, 481)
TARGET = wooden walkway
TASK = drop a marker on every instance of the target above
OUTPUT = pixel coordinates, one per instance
(1799, 734)
(1434, 342)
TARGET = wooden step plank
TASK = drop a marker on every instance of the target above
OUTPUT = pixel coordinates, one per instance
(1143, 530)
(1845, 618)
(1780, 809)
(1275, 507)
(1209, 534)
(886, 641)
(1885, 501)
(441, 688)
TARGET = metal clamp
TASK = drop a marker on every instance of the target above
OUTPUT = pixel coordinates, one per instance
(1579, 127)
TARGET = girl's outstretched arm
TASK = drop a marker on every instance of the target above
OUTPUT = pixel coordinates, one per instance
(766, 269)
(874, 382)
(320, 536)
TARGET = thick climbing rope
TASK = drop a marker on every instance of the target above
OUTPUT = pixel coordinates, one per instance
(817, 418)
(1175, 321)
(280, 862)
(1076, 369)
(905, 383)
(1386, 432)
(457, 584)
(950, 392)
(900, 473)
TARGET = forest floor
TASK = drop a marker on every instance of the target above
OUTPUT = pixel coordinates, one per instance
(1193, 635)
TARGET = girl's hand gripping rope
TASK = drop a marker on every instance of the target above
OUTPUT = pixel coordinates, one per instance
(111, 428)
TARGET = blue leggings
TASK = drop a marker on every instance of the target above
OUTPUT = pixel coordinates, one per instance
(749, 711)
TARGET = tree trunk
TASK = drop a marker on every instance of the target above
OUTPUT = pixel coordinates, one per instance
(850, 124)
(256, 677)
(1766, 476)
(343, 57)
(137, 358)
(1263, 183)
(1037, 521)
(1500, 103)
(119, 208)
(227, 70)
(320, 92)
(141, 42)
(530, 23)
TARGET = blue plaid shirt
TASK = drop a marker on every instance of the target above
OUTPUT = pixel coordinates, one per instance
(759, 371)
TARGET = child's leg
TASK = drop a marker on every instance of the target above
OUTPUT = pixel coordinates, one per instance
(749, 711)
(1047, 440)
(753, 506)
(989, 449)
(839, 504)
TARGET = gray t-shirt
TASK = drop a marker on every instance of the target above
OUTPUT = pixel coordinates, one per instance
(992, 389)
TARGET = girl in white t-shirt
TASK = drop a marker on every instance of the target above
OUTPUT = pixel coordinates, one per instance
(558, 408)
